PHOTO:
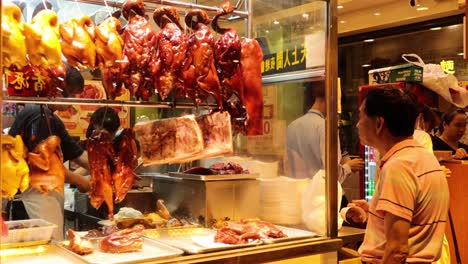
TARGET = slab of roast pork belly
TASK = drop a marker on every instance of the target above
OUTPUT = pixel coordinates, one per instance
(169, 140)
(217, 135)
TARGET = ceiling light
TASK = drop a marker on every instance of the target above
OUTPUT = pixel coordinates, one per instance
(377, 14)
(436, 28)
(340, 6)
(305, 15)
(422, 8)
(365, 65)
(276, 22)
(460, 54)
(342, 21)
(267, 31)
(369, 40)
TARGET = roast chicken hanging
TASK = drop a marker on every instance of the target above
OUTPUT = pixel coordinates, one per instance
(46, 162)
(138, 50)
(170, 53)
(78, 42)
(14, 169)
(199, 71)
(109, 46)
(42, 39)
(14, 46)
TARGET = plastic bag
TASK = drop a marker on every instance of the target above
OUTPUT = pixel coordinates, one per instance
(444, 84)
(314, 204)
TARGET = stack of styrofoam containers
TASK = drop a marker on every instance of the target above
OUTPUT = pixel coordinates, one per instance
(280, 200)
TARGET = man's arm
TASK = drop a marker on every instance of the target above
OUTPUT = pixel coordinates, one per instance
(81, 182)
(396, 234)
(82, 160)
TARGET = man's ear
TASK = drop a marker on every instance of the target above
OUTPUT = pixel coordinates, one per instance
(379, 124)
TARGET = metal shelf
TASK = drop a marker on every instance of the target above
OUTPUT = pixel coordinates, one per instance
(242, 14)
(81, 101)
(311, 74)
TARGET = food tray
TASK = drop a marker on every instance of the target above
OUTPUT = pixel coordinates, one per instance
(38, 230)
(216, 177)
(292, 234)
(187, 238)
(152, 250)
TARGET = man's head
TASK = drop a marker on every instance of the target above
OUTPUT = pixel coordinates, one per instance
(104, 117)
(317, 92)
(74, 85)
(387, 114)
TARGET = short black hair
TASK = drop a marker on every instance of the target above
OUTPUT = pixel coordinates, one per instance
(104, 117)
(74, 82)
(448, 117)
(397, 107)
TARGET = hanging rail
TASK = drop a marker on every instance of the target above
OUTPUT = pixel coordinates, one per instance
(243, 14)
(81, 101)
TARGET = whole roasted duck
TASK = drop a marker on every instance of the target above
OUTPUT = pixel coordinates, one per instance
(14, 168)
(109, 49)
(126, 161)
(42, 39)
(14, 46)
(139, 48)
(227, 53)
(46, 163)
(199, 71)
(170, 54)
(100, 157)
(78, 42)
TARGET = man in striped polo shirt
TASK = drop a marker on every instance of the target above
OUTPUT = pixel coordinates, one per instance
(408, 212)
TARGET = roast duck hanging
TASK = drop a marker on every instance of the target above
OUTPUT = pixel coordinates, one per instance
(14, 169)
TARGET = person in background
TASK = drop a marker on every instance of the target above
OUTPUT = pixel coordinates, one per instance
(32, 124)
(407, 214)
(430, 119)
(305, 142)
(452, 130)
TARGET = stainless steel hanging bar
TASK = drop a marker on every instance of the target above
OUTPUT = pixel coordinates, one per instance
(81, 101)
(243, 14)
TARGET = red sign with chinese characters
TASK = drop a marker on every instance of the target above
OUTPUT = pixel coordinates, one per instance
(30, 81)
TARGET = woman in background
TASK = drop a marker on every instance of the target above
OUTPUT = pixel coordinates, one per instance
(452, 130)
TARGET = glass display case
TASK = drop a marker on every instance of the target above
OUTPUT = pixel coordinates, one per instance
(298, 41)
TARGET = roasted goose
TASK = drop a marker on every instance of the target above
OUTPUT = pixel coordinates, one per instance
(14, 46)
(78, 42)
(100, 156)
(247, 230)
(109, 46)
(46, 162)
(264, 228)
(139, 48)
(227, 57)
(199, 71)
(170, 53)
(78, 245)
(125, 162)
(42, 39)
(126, 240)
(229, 235)
(251, 60)
(14, 169)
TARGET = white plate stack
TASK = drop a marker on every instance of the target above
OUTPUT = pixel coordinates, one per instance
(280, 200)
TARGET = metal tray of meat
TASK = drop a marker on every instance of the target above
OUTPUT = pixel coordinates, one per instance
(151, 250)
(215, 177)
(291, 233)
(193, 240)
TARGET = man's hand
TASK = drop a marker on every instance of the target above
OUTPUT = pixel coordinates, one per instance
(81, 182)
(356, 164)
(360, 203)
(460, 154)
(356, 214)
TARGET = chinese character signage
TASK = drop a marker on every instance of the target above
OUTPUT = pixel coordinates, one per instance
(448, 66)
(288, 60)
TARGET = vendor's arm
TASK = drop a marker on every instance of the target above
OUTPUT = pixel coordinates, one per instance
(82, 160)
(81, 182)
(396, 233)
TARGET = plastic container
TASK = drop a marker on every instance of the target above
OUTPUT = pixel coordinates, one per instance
(33, 230)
